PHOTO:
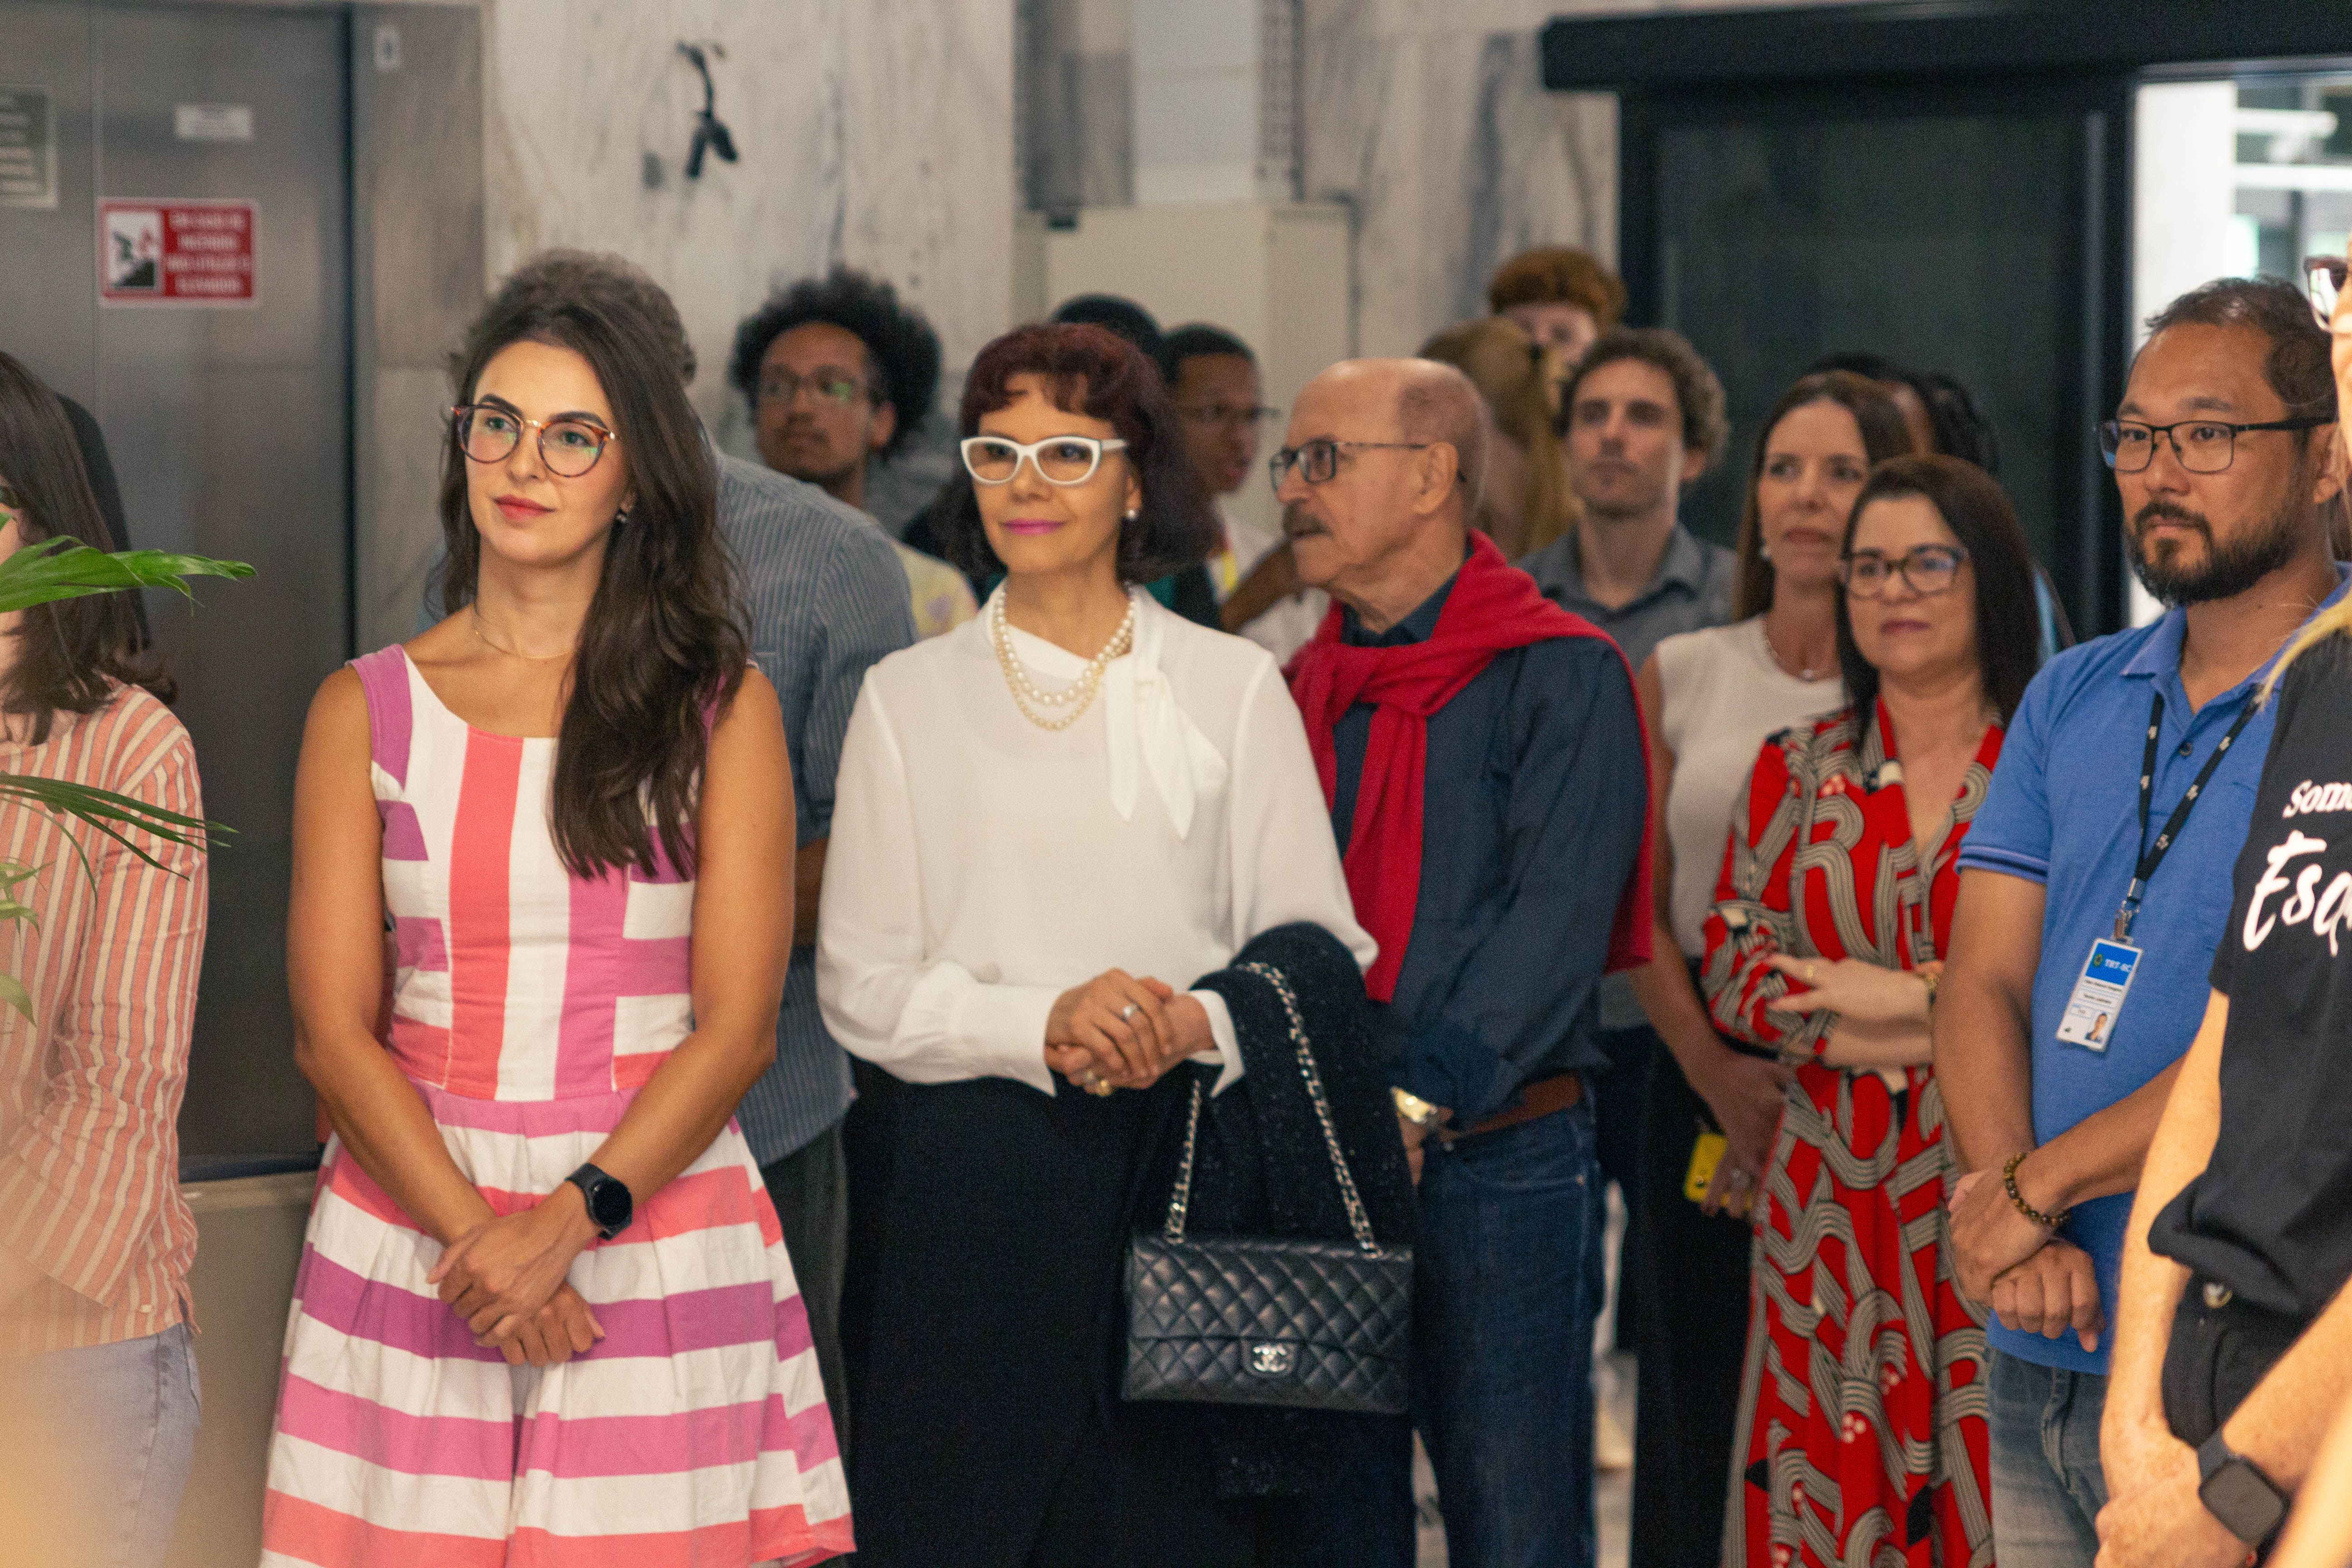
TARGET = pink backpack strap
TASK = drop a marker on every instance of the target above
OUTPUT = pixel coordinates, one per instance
(383, 675)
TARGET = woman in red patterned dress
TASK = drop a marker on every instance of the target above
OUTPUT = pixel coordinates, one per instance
(1861, 1436)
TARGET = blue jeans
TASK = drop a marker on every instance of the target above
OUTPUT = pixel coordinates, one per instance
(2047, 1488)
(108, 1433)
(1507, 1285)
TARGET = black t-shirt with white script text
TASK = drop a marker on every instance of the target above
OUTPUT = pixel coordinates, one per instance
(2271, 1216)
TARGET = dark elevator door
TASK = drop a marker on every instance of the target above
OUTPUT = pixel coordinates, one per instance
(229, 429)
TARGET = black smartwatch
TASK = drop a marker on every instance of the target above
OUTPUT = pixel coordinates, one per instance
(609, 1204)
(2243, 1499)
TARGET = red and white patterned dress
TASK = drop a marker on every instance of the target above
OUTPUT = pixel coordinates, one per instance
(529, 1005)
(1860, 1440)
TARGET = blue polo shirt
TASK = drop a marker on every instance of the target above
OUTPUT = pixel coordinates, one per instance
(2064, 811)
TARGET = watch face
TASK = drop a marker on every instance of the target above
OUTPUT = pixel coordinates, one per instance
(611, 1204)
(2244, 1501)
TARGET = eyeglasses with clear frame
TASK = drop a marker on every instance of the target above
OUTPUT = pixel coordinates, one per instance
(834, 386)
(2203, 445)
(1927, 569)
(489, 433)
(1059, 459)
(1318, 462)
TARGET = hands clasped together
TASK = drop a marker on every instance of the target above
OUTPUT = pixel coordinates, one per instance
(505, 1277)
(1120, 1032)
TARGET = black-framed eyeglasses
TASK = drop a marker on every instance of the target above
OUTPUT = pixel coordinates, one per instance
(1928, 569)
(1225, 416)
(488, 433)
(2203, 445)
(834, 386)
(1062, 459)
(1319, 460)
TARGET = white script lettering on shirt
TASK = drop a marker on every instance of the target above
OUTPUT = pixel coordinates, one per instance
(2309, 797)
(2328, 912)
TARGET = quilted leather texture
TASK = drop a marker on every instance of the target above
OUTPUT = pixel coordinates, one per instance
(1238, 1320)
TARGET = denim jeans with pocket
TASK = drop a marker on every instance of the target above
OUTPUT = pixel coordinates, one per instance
(2047, 1487)
(1508, 1284)
(110, 1431)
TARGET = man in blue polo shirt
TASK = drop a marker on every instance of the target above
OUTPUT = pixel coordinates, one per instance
(2096, 877)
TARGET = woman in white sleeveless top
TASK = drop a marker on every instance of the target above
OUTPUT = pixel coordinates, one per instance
(1713, 697)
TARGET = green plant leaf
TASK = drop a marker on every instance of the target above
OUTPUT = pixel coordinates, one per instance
(13, 992)
(103, 809)
(67, 569)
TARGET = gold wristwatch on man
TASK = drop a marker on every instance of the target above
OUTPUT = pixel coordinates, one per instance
(1419, 1111)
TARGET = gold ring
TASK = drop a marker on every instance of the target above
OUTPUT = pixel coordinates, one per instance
(1812, 973)
(1100, 1088)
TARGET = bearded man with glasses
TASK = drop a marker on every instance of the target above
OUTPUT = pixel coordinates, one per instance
(2096, 886)
(1484, 759)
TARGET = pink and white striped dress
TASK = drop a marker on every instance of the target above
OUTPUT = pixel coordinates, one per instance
(528, 1007)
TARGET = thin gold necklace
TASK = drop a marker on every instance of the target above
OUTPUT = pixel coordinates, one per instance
(484, 638)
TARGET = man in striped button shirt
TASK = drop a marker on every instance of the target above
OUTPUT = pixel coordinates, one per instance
(823, 600)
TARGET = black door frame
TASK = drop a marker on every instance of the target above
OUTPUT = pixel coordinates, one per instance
(1923, 56)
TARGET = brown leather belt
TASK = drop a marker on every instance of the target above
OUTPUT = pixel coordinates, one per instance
(1539, 1100)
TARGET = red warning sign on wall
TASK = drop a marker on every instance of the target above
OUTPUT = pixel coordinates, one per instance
(175, 253)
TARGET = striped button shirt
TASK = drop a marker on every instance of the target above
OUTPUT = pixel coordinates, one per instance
(824, 599)
(90, 1088)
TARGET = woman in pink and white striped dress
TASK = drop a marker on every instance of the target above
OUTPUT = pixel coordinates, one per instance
(545, 1315)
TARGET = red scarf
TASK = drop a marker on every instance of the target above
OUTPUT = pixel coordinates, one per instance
(1494, 606)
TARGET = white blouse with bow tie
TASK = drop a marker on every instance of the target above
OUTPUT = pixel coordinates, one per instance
(980, 865)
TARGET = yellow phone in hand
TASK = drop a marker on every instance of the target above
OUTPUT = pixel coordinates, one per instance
(1706, 1154)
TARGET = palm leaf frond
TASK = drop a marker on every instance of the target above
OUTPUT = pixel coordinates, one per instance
(67, 569)
(109, 813)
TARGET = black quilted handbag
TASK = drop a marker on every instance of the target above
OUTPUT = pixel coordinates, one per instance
(1245, 1320)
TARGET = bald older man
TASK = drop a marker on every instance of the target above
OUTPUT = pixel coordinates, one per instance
(1484, 759)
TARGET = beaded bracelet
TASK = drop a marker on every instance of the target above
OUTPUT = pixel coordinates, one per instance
(2008, 1180)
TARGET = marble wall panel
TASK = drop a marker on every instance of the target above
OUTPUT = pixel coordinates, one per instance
(875, 134)
(1432, 123)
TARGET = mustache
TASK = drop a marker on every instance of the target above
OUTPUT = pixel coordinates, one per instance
(2170, 512)
(1298, 523)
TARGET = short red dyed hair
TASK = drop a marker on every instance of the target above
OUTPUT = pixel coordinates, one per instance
(1090, 371)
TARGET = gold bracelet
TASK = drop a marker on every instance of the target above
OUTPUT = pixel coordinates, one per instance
(2008, 1180)
(1930, 978)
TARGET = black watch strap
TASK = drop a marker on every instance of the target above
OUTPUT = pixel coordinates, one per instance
(2249, 1504)
(609, 1205)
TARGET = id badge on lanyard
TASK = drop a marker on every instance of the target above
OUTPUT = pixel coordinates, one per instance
(2097, 1000)
(2099, 991)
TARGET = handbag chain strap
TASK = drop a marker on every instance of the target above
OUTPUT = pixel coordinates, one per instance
(1359, 1221)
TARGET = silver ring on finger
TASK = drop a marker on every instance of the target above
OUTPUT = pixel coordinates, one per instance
(1739, 1179)
(1126, 1011)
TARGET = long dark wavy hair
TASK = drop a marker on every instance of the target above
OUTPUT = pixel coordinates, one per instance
(69, 654)
(1091, 370)
(660, 648)
(2009, 621)
(1884, 435)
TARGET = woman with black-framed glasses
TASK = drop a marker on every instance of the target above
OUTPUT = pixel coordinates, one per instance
(1051, 824)
(1825, 945)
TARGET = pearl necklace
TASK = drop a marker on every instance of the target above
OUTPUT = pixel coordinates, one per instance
(1079, 695)
(1769, 647)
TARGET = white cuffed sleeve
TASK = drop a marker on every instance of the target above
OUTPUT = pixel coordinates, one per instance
(883, 998)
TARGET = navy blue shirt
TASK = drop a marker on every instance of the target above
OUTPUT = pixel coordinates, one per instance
(1532, 813)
